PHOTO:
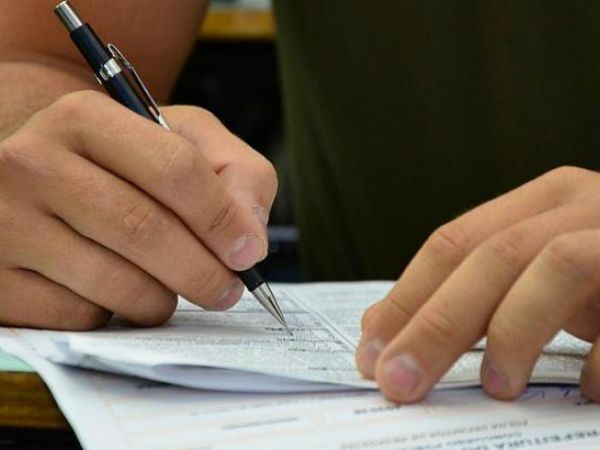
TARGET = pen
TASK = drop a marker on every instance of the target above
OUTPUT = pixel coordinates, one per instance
(110, 68)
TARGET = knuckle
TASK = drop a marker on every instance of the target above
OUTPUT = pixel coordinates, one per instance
(144, 223)
(564, 181)
(436, 326)
(567, 254)
(87, 316)
(73, 106)
(18, 153)
(506, 248)
(204, 115)
(566, 173)
(220, 216)
(268, 176)
(450, 243)
(202, 119)
(177, 165)
(399, 308)
(504, 335)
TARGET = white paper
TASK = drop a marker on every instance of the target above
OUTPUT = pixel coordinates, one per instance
(118, 413)
(246, 350)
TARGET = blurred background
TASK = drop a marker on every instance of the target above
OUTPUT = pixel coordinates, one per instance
(233, 73)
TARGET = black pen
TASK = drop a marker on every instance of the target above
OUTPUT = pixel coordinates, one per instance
(110, 68)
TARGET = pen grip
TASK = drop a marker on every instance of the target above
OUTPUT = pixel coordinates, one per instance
(120, 88)
(251, 278)
(90, 46)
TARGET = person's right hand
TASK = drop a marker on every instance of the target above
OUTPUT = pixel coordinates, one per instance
(103, 211)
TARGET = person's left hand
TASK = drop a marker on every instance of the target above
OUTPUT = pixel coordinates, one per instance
(517, 270)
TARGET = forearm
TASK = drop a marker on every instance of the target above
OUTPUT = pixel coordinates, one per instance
(38, 63)
(28, 86)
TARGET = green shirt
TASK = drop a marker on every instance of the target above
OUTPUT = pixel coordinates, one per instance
(400, 115)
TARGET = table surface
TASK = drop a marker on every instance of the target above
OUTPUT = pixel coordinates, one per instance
(235, 24)
(26, 402)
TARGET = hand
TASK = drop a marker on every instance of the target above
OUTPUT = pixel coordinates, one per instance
(516, 269)
(103, 211)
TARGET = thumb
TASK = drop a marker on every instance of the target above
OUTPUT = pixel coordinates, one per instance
(247, 177)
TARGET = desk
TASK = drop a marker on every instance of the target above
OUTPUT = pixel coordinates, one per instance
(234, 24)
(29, 416)
(26, 402)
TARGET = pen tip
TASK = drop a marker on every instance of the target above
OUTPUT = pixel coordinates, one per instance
(283, 322)
(266, 298)
(286, 327)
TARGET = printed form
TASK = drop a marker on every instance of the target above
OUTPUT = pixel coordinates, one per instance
(270, 376)
(111, 412)
(246, 350)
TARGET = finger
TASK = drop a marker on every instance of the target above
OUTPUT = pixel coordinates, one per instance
(167, 166)
(560, 281)
(30, 300)
(89, 270)
(444, 251)
(456, 316)
(245, 173)
(586, 322)
(116, 215)
(590, 375)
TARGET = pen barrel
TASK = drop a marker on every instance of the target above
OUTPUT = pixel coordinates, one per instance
(90, 46)
(120, 88)
(251, 278)
(118, 85)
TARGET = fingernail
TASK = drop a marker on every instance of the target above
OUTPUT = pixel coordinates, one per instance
(494, 380)
(368, 355)
(402, 374)
(230, 297)
(246, 251)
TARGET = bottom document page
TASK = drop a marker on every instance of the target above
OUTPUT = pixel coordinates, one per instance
(112, 412)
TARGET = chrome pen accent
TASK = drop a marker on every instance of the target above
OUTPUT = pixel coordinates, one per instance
(266, 298)
(68, 16)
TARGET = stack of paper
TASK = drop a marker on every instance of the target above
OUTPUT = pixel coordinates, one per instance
(243, 350)
(246, 350)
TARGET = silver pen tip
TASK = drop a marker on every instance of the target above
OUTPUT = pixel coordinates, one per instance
(283, 322)
(266, 298)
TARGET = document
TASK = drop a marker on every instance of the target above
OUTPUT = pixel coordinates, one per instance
(116, 412)
(246, 350)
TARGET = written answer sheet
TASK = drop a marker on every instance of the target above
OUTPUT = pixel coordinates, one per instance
(246, 350)
(118, 413)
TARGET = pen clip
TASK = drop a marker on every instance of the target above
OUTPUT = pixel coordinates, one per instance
(152, 105)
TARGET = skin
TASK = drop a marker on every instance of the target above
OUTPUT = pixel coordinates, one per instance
(516, 269)
(101, 210)
(104, 212)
